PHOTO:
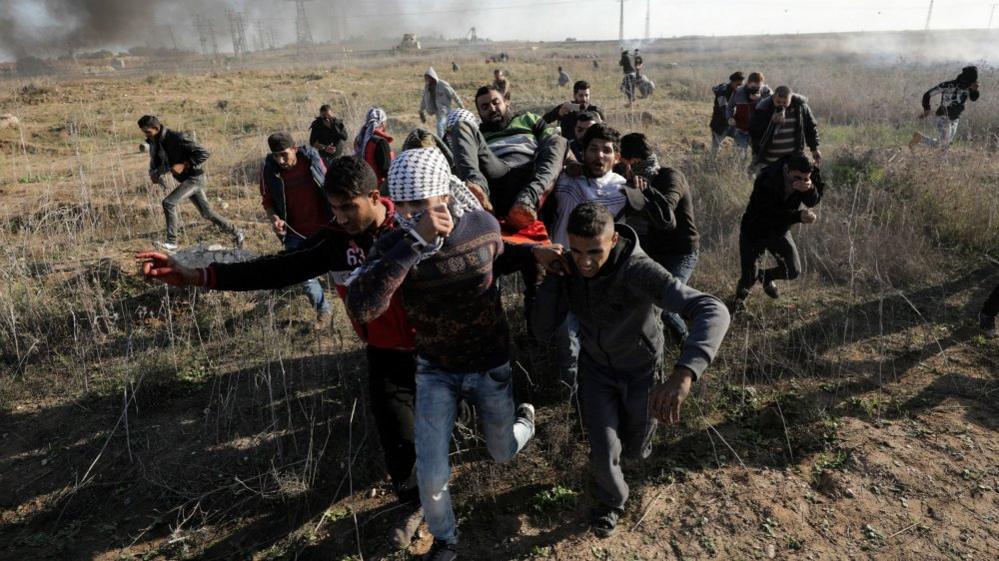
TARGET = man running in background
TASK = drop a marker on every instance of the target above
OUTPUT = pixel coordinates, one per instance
(175, 163)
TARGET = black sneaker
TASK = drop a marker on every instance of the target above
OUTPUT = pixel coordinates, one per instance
(987, 324)
(441, 551)
(770, 288)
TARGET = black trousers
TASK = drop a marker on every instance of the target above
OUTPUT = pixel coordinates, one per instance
(991, 307)
(392, 387)
(781, 247)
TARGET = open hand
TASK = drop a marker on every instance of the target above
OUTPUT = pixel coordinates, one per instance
(665, 399)
(179, 167)
(521, 216)
(163, 268)
(808, 216)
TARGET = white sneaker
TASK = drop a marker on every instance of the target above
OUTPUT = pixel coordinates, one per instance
(168, 246)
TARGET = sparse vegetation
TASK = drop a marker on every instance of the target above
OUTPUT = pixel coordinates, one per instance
(145, 422)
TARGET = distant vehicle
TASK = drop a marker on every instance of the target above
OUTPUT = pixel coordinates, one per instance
(408, 43)
(570, 39)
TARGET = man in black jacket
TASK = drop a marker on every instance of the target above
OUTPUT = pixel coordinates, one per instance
(567, 113)
(953, 95)
(779, 192)
(722, 93)
(783, 125)
(328, 135)
(661, 210)
(175, 162)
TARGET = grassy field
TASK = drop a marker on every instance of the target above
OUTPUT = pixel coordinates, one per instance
(855, 418)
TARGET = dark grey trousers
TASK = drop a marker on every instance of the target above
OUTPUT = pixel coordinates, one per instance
(192, 188)
(507, 184)
(615, 408)
(781, 247)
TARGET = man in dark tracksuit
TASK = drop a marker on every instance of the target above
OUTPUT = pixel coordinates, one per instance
(779, 192)
(783, 125)
(722, 94)
(953, 95)
(616, 292)
(175, 162)
(362, 215)
(291, 189)
(328, 135)
(627, 64)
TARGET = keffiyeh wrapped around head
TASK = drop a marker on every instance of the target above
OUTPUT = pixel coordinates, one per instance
(646, 168)
(422, 173)
(375, 118)
(458, 115)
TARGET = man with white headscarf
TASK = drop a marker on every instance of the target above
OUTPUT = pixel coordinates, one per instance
(439, 99)
(373, 143)
(444, 260)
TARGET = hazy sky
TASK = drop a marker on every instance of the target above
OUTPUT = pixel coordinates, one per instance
(54, 26)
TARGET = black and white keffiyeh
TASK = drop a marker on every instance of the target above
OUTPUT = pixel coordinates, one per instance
(376, 117)
(422, 173)
(459, 115)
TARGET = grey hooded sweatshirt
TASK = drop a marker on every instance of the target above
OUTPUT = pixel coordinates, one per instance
(439, 96)
(618, 311)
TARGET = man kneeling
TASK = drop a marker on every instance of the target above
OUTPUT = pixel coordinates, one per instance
(614, 289)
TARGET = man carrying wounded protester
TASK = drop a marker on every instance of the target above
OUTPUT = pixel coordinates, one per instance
(661, 211)
(779, 192)
(291, 188)
(616, 292)
(783, 125)
(362, 215)
(514, 157)
(444, 261)
(583, 122)
(597, 183)
(953, 95)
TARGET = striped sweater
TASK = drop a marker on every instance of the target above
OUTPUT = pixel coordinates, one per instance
(516, 142)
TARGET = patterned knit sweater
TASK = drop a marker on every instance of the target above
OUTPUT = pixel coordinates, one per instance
(451, 298)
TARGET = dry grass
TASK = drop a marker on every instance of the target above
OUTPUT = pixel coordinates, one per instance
(182, 424)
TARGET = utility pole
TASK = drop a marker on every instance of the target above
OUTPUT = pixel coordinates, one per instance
(259, 42)
(237, 28)
(929, 14)
(172, 38)
(648, 17)
(991, 14)
(206, 34)
(620, 29)
(303, 32)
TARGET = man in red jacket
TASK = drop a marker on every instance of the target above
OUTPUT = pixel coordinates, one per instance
(362, 215)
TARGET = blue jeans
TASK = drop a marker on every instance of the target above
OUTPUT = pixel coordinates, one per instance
(437, 396)
(567, 352)
(680, 266)
(742, 140)
(313, 290)
(442, 122)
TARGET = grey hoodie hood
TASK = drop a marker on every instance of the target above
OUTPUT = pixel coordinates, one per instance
(432, 74)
